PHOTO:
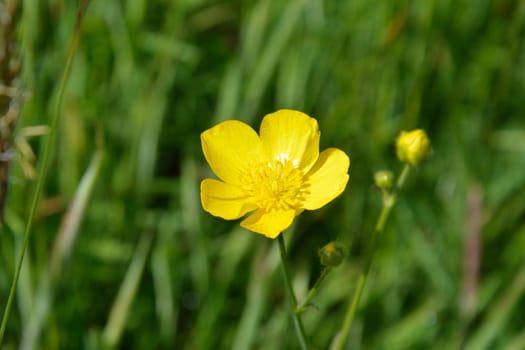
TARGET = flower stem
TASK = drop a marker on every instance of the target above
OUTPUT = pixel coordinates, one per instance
(313, 291)
(402, 177)
(298, 324)
(44, 165)
(389, 200)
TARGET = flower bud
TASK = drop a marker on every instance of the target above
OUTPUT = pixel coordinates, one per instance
(384, 179)
(412, 146)
(332, 254)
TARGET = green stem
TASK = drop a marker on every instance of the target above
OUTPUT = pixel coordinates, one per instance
(389, 200)
(44, 165)
(313, 291)
(126, 294)
(402, 177)
(298, 325)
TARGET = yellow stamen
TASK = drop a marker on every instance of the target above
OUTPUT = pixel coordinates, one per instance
(276, 185)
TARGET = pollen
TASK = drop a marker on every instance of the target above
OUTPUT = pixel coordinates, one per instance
(276, 185)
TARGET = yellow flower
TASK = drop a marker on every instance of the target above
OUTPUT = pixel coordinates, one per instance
(412, 146)
(277, 174)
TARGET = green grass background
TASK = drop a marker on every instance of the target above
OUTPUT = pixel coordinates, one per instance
(149, 269)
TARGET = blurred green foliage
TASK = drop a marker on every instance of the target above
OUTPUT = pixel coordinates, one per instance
(149, 269)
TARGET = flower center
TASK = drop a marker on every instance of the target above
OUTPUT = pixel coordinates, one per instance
(276, 185)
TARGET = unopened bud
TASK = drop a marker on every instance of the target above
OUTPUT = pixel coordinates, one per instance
(412, 146)
(384, 179)
(332, 254)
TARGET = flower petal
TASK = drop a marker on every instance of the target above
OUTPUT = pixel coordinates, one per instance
(230, 147)
(270, 224)
(291, 135)
(223, 200)
(327, 179)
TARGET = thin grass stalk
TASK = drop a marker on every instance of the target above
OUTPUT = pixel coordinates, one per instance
(66, 237)
(256, 299)
(126, 294)
(498, 315)
(44, 165)
(298, 324)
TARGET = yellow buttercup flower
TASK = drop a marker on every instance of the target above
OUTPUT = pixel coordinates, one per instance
(412, 146)
(276, 175)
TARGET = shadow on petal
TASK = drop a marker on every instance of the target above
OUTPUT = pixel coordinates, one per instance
(271, 223)
(327, 179)
(224, 200)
